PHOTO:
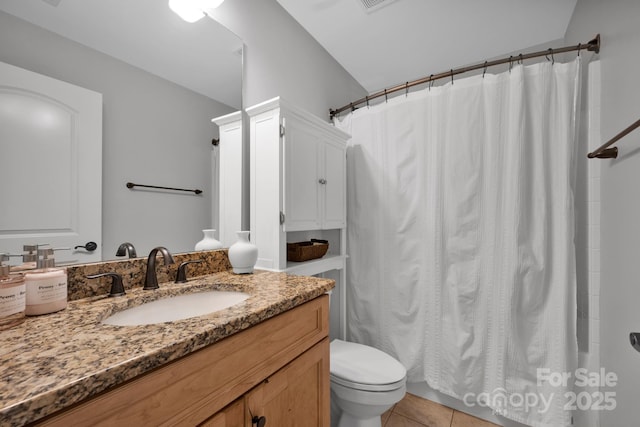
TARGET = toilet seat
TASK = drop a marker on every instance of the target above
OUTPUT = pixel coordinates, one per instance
(361, 367)
(368, 387)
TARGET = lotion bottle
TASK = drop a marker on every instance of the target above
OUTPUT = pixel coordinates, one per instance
(12, 296)
(46, 286)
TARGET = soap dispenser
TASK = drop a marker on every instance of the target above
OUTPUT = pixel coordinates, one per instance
(29, 259)
(46, 286)
(12, 296)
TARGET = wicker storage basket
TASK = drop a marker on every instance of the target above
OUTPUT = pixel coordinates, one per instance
(305, 251)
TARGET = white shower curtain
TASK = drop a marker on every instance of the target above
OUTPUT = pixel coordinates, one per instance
(460, 236)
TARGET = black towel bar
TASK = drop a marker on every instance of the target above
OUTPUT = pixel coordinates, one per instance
(132, 185)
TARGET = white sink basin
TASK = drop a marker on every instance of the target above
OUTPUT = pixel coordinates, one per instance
(176, 308)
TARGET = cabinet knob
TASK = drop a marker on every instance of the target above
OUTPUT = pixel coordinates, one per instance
(259, 421)
(322, 181)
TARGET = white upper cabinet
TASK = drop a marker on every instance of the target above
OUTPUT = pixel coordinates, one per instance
(333, 189)
(314, 177)
(298, 177)
(227, 178)
(302, 169)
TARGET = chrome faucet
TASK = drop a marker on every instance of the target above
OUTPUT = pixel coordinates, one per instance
(151, 281)
(123, 248)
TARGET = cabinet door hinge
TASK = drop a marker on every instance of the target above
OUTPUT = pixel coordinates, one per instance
(281, 217)
(281, 131)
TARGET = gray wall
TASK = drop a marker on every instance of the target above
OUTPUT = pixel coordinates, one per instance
(282, 59)
(142, 144)
(154, 132)
(618, 23)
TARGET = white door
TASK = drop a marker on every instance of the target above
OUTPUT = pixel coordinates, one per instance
(50, 165)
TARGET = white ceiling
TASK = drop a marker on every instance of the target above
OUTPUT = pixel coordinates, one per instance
(409, 39)
(401, 41)
(204, 57)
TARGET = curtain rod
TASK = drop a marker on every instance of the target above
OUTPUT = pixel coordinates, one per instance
(603, 152)
(593, 45)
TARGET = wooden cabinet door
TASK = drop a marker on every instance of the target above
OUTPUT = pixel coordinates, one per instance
(231, 416)
(298, 394)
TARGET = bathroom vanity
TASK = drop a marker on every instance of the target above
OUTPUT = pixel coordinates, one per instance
(265, 357)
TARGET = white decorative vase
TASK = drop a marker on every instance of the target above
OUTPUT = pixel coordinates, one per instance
(209, 242)
(243, 254)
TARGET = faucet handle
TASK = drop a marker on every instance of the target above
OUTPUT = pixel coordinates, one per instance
(117, 288)
(181, 277)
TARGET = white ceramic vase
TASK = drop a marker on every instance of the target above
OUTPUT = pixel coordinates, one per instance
(209, 242)
(243, 254)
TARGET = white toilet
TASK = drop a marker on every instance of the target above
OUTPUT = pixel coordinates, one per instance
(365, 382)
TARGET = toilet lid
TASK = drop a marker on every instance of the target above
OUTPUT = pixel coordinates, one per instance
(361, 364)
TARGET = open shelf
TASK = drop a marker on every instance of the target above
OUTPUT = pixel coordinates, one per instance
(316, 266)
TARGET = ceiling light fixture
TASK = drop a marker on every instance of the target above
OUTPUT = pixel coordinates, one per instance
(193, 10)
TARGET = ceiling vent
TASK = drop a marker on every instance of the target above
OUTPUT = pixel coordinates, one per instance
(53, 3)
(373, 5)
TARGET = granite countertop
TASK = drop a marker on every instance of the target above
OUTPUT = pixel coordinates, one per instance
(52, 361)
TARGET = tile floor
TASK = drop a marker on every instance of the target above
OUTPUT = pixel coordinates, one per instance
(413, 411)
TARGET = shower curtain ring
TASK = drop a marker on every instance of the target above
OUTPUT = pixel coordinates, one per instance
(352, 107)
(510, 62)
(485, 69)
(367, 98)
(451, 73)
(579, 47)
(406, 89)
(430, 82)
(553, 59)
(520, 60)
(385, 96)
